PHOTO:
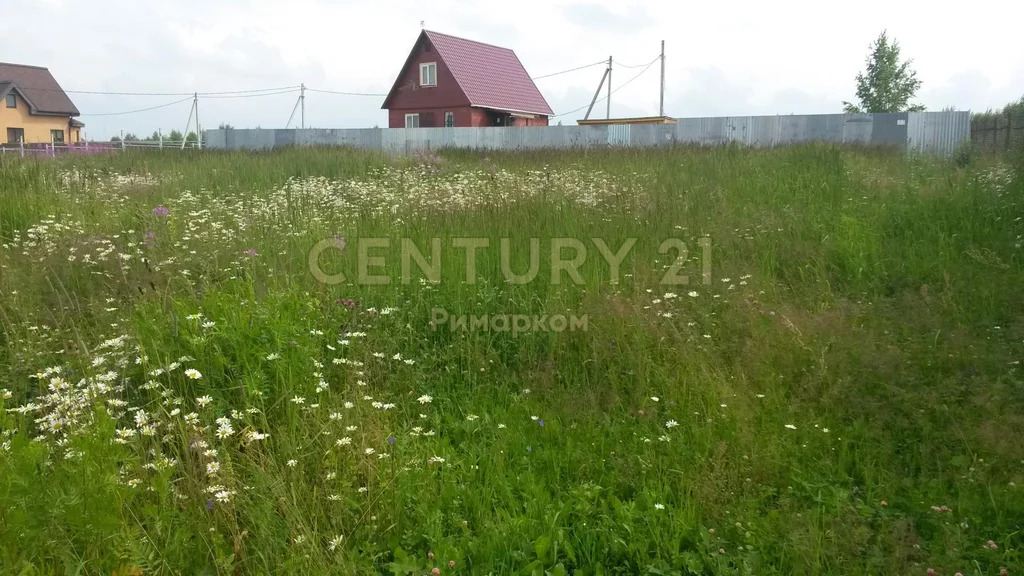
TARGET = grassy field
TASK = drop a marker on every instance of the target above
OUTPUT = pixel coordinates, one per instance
(840, 394)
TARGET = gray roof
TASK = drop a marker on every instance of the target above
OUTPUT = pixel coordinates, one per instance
(38, 87)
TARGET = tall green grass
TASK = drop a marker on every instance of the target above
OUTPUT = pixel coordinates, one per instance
(852, 368)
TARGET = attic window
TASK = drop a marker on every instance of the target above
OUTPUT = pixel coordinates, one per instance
(428, 74)
(12, 101)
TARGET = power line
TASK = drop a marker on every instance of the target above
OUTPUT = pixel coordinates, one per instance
(208, 94)
(291, 91)
(570, 70)
(308, 89)
(141, 109)
(624, 84)
(628, 66)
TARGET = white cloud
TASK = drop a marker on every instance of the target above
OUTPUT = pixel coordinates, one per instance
(796, 56)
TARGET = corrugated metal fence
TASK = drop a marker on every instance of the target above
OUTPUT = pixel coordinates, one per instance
(935, 133)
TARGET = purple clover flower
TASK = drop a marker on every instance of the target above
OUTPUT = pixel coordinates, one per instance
(161, 211)
(391, 439)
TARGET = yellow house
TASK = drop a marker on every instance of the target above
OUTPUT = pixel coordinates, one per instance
(34, 108)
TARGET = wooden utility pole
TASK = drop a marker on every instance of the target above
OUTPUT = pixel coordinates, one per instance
(661, 101)
(598, 91)
(608, 110)
(199, 131)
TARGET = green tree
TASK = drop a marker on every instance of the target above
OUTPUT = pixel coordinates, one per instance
(191, 138)
(887, 84)
(175, 136)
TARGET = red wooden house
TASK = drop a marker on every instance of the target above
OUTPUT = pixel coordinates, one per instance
(449, 81)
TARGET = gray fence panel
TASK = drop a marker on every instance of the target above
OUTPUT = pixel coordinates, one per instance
(858, 128)
(937, 133)
(888, 129)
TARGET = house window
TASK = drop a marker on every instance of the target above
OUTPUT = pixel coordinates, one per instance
(57, 136)
(428, 74)
(15, 135)
(449, 119)
(412, 120)
(12, 101)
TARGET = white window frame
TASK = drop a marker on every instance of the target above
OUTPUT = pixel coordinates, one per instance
(412, 120)
(423, 77)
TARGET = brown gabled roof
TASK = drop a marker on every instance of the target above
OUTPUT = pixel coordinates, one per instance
(490, 76)
(39, 88)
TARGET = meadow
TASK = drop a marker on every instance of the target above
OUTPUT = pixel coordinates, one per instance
(835, 389)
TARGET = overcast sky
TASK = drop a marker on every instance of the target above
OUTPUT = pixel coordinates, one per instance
(723, 58)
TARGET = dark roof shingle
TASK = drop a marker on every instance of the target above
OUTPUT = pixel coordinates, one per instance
(490, 76)
(44, 94)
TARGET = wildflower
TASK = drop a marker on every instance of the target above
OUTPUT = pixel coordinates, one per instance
(225, 431)
(193, 374)
(664, 438)
(362, 490)
(349, 405)
(223, 496)
(343, 441)
(501, 426)
(655, 399)
(992, 545)
(335, 542)
(5, 394)
(254, 436)
(212, 468)
(540, 422)
(292, 463)
(298, 400)
(425, 399)
(273, 356)
(472, 417)
(791, 427)
(369, 451)
(161, 211)
(671, 424)
(659, 506)
(692, 294)
(250, 252)
(436, 460)
(391, 439)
